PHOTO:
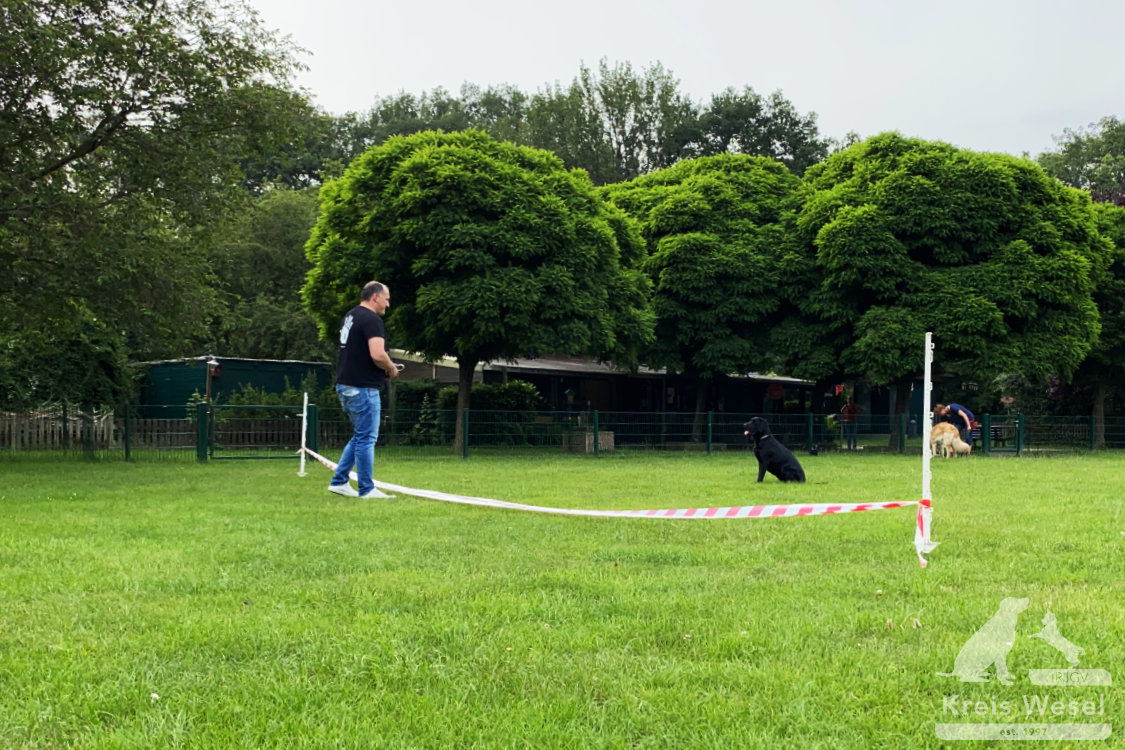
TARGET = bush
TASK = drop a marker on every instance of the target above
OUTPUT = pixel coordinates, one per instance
(249, 396)
(411, 394)
(514, 406)
(515, 395)
(428, 430)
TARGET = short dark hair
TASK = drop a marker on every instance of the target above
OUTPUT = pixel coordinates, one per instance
(370, 289)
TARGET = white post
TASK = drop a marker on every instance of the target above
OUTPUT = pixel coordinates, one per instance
(927, 416)
(922, 542)
(304, 433)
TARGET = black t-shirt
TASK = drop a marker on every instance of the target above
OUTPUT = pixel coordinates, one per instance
(354, 365)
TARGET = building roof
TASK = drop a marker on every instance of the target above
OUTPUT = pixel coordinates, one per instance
(556, 365)
(205, 357)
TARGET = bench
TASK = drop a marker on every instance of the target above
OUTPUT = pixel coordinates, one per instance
(999, 434)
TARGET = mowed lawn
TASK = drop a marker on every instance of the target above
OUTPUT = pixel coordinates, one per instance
(237, 605)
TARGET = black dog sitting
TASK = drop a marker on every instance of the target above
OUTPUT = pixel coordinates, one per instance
(772, 455)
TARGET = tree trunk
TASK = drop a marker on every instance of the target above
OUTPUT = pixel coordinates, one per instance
(902, 404)
(697, 426)
(1099, 415)
(466, 368)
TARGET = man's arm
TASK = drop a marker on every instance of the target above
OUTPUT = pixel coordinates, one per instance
(377, 347)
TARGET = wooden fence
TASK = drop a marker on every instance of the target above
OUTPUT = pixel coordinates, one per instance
(55, 430)
(163, 433)
(31, 431)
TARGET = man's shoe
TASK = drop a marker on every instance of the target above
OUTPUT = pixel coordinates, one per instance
(343, 489)
(374, 492)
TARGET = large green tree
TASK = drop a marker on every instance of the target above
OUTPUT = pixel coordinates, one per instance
(492, 251)
(718, 229)
(122, 124)
(995, 257)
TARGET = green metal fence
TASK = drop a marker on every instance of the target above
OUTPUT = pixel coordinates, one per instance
(255, 432)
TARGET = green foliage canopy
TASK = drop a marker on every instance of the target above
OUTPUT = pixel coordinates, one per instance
(717, 229)
(614, 121)
(1100, 373)
(1110, 294)
(746, 122)
(986, 250)
(1092, 160)
(122, 126)
(260, 266)
(492, 251)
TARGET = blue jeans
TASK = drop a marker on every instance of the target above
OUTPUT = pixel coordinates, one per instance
(851, 430)
(364, 407)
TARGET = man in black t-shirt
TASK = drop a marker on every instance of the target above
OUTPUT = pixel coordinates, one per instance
(362, 368)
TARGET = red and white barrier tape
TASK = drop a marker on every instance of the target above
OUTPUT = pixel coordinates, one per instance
(742, 511)
(922, 542)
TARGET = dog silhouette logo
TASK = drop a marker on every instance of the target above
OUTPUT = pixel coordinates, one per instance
(987, 651)
(1050, 633)
(989, 646)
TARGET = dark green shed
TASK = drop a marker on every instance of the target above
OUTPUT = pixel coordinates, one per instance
(168, 385)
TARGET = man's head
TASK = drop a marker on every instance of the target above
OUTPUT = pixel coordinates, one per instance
(941, 409)
(375, 296)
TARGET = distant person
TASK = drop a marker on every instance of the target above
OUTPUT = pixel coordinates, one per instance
(961, 418)
(850, 411)
(362, 369)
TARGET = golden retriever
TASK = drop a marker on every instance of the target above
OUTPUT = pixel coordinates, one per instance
(946, 441)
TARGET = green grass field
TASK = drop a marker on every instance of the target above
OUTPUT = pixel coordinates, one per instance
(236, 605)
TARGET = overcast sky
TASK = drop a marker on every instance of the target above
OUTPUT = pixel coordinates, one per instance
(989, 75)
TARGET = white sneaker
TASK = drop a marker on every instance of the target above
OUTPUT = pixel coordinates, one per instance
(374, 492)
(343, 489)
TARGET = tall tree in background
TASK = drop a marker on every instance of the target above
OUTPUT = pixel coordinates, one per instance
(745, 122)
(615, 123)
(1101, 371)
(646, 120)
(986, 250)
(313, 147)
(320, 145)
(717, 230)
(122, 125)
(259, 268)
(1092, 160)
(492, 251)
(500, 111)
(404, 114)
(559, 121)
